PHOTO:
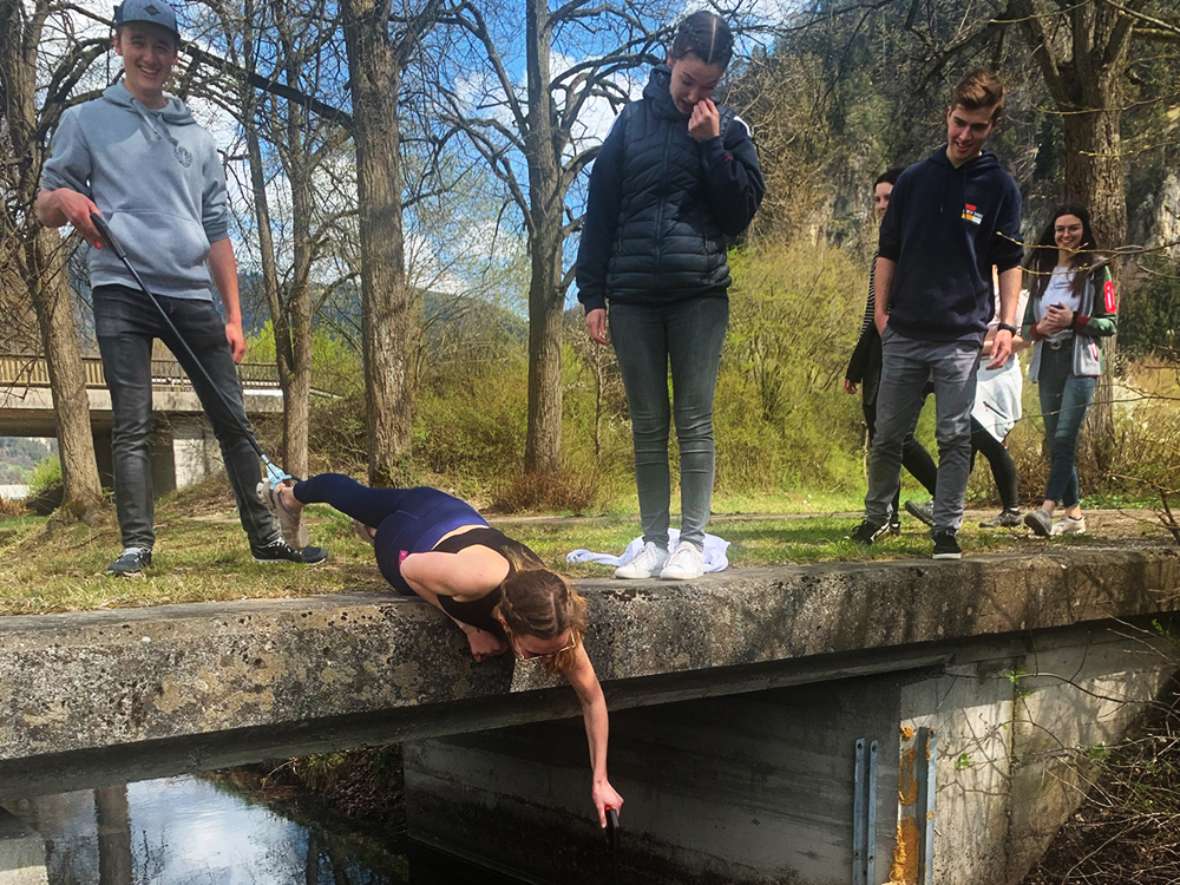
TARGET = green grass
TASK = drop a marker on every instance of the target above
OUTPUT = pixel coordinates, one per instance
(201, 553)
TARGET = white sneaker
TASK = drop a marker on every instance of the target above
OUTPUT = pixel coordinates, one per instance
(1067, 525)
(646, 565)
(685, 564)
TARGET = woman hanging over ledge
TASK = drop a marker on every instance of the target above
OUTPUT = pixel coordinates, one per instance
(495, 589)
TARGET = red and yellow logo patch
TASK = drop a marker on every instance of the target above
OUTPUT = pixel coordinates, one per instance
(971, 213)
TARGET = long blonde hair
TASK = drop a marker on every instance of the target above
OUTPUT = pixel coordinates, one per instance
(536, 601)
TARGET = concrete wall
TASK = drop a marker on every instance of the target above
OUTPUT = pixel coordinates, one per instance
(22, 853)
(757, 788)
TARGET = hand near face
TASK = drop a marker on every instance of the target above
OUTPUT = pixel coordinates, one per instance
(705, 122)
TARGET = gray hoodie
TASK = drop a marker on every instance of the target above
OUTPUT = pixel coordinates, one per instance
(156, 178)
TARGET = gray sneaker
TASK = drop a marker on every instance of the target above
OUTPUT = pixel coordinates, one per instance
(1040, 522)
(290, 522)
(1005, 519)
(921, 512)
(131, 563)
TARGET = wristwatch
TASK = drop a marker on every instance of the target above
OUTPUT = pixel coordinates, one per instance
(1007, 327)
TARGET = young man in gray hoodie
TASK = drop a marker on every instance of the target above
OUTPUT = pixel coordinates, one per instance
(137, 157)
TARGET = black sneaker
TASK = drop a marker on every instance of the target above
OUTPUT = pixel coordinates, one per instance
(279, 550)
(131, 563)
(868, 532)
(946, 546)
(894, 528)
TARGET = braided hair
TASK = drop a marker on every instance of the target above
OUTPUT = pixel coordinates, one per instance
(535, 601)
(706, 35)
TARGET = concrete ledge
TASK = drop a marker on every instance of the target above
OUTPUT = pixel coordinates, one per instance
(270, 673)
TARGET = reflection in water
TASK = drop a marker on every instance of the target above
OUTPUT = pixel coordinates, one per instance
(186, 831)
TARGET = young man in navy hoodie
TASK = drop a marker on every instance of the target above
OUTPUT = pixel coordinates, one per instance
(137, 156)
(951, 218)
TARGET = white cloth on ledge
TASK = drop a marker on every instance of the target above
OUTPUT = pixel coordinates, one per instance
(715, 552)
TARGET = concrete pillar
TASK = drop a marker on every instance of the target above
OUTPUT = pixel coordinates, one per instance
(751, 788)
(195, 452)
(1015, 733)
(22, 853)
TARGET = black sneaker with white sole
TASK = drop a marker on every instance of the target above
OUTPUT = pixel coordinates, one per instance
(131, 563)
(868, 532)
(946, 545)
(279, 550)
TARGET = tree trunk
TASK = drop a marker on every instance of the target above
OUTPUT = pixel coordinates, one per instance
(54, 303)
(374, 75)
(296, 398)
(44, 266)
(1096, 177)
(542, 452)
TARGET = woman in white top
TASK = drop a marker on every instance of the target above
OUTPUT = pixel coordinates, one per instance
(1073, 306)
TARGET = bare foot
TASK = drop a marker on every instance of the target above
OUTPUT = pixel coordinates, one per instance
(485, 645)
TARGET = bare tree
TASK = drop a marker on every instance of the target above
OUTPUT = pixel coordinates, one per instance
(296, 39)
(541, 124)
(42, 256)
(378, 51)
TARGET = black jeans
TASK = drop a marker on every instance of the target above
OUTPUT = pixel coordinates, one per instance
(126, 322)
(1002, 465)
(914, 458)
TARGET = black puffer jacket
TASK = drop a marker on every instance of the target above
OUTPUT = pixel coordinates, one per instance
(662, 205)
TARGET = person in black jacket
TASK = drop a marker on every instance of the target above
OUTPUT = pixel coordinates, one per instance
(864, 368)
(677, 178)
(951, 218)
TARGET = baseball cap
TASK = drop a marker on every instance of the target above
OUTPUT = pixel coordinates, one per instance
(155, 12)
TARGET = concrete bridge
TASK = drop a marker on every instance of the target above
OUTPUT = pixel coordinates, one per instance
(904, 721)
(184, 449)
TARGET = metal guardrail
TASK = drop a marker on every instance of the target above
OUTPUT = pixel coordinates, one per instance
(24, 370)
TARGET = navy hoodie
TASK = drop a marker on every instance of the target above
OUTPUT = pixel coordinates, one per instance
(945, 228)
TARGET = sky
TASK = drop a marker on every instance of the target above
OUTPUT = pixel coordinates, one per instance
(445, 256)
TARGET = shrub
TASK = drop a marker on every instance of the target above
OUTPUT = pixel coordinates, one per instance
(45, 486)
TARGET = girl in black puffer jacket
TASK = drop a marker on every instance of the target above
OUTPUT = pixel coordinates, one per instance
(676, 179)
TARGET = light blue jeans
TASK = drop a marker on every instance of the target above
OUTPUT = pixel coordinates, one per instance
(687, 335)
(1065, 398)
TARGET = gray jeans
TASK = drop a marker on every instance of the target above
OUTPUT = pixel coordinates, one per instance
(907, 364)
(688, 335)
(126, 322)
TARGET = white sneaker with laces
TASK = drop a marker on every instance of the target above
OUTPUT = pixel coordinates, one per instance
(685, 564)
(646, 565)
(1068, 525)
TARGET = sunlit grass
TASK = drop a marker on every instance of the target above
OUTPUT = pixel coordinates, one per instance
(201, 553)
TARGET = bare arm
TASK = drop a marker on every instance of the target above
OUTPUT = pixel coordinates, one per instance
(584, 681)
(1009, 300)
(224, 268)
(883, 284)
(473, 572)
